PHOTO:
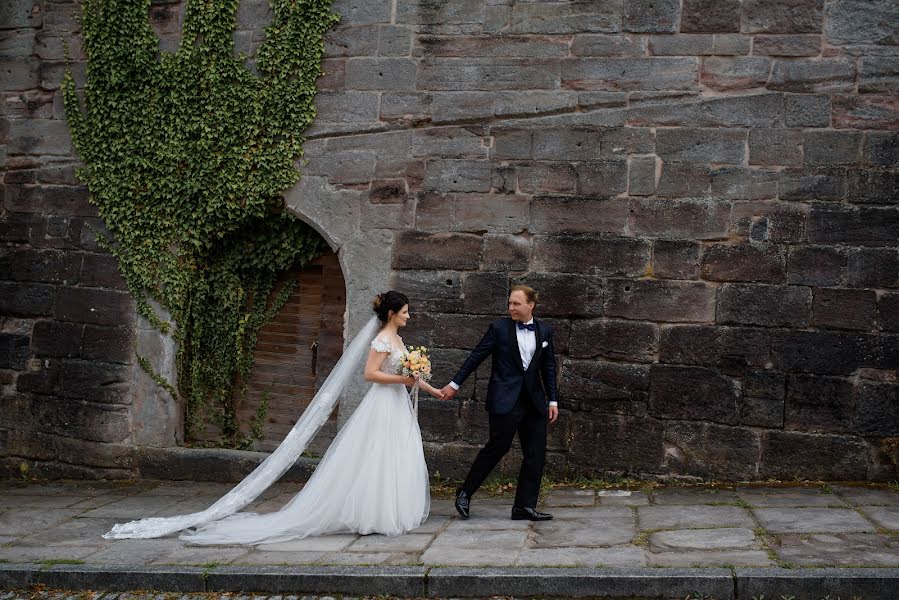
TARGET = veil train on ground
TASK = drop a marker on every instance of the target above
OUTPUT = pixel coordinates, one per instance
(277, 463)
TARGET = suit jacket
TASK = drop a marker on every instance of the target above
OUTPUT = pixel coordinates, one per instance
(507, 375)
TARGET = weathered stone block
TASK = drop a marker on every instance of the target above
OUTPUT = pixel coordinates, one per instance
(878, 74)
(450, 142)
(693, 393)
(430, 291)
(888, 311)
(824, 148)
(396, 74)
(57, 339)
(485, 293)
(607, 45)
(770, 221)
(566, 143)
(618, 442)
(419, 250)
(506, 252)
(675, 259)
(844, 309)
(862, 226)
(881, 148)
(818, 404)
(710, 16)
(346, 106)
(394, 40)
(731, 44)
(743, 262)
(830, 352)
(782, 16)
(27, 299)
(710, 450)
(604, 387)
(678, 180)
(101, 270)
(680, 219)
(775, 147)
(602, 178)
(358, 12)
(361, 40)
(100, 307)
(734, 73)
(564, 295)
(546, 178)
(689, 44)
(806, 75)
(108, 344)
(876, 409)
(641, 176)
(872, 187)
(13, 351)
(767, 305)
(577, 16)
(608, 255)
(787, 45)
(804, 110)
(873, 268)
(487, 74)
(740, 183)
(701, 145)
(45, 266)
(816, 265)
(651, 16)
(852, 22)
(731, 348)
(866, 111)
(457, 176)
(577, 214)
(788, 455)
(97, 382)
(617, 340)
(616, 74)
(462, 46)
(405, 107)
(820, 183)
(661, 300)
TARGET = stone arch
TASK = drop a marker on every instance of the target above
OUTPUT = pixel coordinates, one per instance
(364, 255)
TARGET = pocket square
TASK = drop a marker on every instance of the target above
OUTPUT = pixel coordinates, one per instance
(545, 344)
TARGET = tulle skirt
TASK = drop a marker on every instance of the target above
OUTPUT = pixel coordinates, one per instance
(372, 479)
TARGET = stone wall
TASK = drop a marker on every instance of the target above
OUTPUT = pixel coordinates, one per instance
(703, 192)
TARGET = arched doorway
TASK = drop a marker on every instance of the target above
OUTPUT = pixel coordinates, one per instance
(295, 353)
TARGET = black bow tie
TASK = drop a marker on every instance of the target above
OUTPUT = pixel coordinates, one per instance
(528, 326)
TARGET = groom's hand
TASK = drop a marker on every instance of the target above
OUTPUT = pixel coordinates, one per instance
(553, 414)
(448, 392)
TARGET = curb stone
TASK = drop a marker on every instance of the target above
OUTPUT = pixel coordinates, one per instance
(468, 582)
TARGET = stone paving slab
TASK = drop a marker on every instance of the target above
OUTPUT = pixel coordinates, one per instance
(712, 558)
(863, 496)
(843, 549)
(583, 532)
(620, 556)
(727, 538)
(475, 548)
(795, 497)
(683, 517)
(812, 520)
(886, 517)
(278, 558)
(25, 521)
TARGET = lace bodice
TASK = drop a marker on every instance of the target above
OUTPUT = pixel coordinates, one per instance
(392, 362)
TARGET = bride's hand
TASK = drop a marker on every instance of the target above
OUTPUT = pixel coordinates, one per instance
(436, 393)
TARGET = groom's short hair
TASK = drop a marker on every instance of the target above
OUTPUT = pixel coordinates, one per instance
(529, 292)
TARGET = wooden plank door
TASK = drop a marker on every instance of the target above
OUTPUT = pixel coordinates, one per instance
(295, 353)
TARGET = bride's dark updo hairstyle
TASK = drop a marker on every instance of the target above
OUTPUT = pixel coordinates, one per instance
(388, 301)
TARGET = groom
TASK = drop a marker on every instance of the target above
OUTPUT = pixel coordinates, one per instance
(523, 374)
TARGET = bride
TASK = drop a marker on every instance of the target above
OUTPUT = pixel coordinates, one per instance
(372, 479)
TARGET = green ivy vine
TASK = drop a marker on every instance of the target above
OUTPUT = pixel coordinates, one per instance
(186, 155)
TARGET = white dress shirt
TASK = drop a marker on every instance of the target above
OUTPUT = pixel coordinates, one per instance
(527, 347)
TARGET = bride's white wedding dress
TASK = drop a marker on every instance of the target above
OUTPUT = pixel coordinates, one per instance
(372, 479)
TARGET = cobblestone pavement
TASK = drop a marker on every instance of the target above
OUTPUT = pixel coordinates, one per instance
(751, 526)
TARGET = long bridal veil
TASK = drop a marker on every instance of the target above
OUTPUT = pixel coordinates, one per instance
(277, 463)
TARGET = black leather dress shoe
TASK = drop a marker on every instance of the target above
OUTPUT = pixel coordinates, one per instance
(520, 514)
(463, 502)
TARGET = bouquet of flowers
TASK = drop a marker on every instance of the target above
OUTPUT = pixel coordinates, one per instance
(415, 360)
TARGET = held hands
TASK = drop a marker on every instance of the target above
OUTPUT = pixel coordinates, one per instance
(448, 392)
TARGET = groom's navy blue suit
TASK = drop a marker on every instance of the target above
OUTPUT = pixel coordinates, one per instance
(517, 400)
